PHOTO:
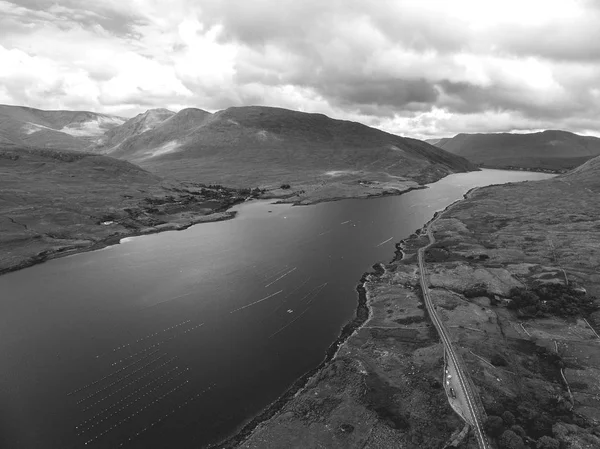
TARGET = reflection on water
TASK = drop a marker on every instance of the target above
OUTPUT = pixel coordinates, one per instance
(183, 336)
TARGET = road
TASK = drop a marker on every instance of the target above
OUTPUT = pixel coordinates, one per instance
(464, 384)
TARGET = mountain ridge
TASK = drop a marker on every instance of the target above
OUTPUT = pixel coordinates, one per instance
(58, 129)
(551, 149)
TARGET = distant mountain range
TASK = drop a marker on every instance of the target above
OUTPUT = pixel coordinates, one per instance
(553, 150)
(61, 130)
(239, 146)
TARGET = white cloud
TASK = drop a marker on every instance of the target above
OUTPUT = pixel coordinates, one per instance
(415, 67)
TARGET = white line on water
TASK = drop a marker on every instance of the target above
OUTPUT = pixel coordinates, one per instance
(319, 289)
(277, 273)
(298, 288)
(348, 221)
(290, 323)
(256, 302)
(383, 243)
(312, 291)
(281, 277)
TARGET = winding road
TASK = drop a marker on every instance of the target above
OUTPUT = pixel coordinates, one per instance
(476, 415)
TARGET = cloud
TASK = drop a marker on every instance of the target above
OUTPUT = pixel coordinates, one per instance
(419, 68)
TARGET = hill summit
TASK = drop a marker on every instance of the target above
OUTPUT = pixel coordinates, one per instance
(258, 145)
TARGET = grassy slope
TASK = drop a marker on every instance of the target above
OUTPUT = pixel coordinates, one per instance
(554, 150)
(381, 391)
(55, 201)
(525, 235)
(251, 146)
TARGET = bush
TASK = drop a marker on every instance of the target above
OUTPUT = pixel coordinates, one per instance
(477, 290)
(498, 360)
(285, 186)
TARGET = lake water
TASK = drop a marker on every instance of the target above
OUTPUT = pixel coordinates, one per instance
(177, 339)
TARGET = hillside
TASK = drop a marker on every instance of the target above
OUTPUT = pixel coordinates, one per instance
(64, 130)
(514, 277)
(255, 145)
(55, 202)
(551, 150)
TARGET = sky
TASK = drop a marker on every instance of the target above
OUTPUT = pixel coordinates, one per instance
(418, 68)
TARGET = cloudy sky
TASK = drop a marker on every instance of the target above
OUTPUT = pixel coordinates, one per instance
(422, 68)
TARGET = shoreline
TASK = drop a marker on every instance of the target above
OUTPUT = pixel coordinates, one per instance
(362, 314)
(216, 216)
(220, 214)
(113, 240)
(340, 198)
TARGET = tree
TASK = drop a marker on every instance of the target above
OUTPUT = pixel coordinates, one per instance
(518, 430)
(494, 426)
(510, 440)
(508, 418)
(547, 442)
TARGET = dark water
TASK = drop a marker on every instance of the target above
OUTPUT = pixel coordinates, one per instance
(156, 339)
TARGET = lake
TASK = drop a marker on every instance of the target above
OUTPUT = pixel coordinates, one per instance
(177, 339)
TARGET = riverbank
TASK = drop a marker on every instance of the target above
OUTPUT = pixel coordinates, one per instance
(382, 387)
(65, 248)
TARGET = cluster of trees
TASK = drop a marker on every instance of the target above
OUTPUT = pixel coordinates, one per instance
(510, 435)
(552, 299)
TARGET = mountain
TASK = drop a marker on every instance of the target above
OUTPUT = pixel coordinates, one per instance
(554, 150)
(256, 145)
(64, 130)
(59, 201)
(120, 136)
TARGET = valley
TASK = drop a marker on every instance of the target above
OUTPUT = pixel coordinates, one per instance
(500, 262)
